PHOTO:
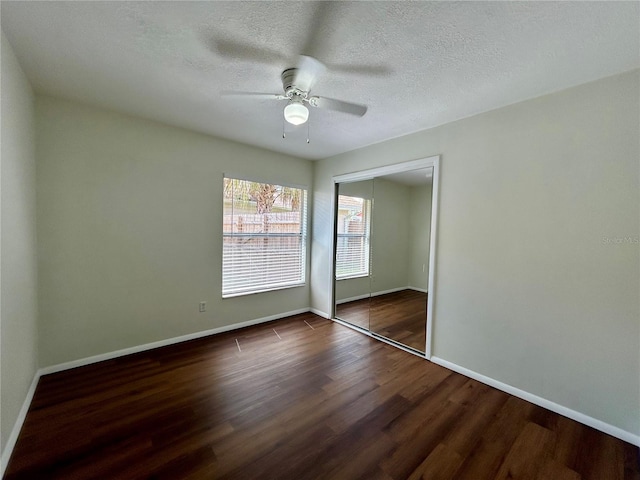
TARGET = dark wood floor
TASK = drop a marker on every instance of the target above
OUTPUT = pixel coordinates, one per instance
(355, 312)
(400, 316)
(299, 398)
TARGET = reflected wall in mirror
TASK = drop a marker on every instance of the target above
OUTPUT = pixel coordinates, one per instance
(352, 267)
(400, 257)
(383, 238)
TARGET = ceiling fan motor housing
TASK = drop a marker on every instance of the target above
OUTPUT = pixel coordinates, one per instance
(288, 79)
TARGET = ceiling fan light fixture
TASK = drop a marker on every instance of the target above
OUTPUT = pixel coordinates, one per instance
(296, 113)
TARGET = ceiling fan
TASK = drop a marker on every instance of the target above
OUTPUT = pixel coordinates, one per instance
(297, 84)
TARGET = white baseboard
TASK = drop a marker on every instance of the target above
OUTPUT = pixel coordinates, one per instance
(542, 402)
(163, 343)
(320, 313)
(17, 426)
(352, 299)
(391, 290)
(368, 295)
(418, 289)
(399, 289)
(375, 294)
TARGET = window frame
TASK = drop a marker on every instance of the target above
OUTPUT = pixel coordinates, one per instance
(365, 235)
(301, 279)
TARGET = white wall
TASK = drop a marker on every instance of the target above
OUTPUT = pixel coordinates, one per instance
(362, 189)
(531, 287)
(130, 230)
(389, 238)
(19, 311)
(419, 236)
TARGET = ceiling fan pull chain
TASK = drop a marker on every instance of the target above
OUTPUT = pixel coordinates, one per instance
(283, 134)
(308, 131)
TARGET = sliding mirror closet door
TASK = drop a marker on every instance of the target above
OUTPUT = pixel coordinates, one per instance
(353, 261)
(400, 238)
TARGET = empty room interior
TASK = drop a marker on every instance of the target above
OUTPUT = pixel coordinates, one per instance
(320, 240)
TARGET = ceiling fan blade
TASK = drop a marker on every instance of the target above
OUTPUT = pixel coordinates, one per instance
(247, 52)
(308, 71)
(368, 70)
(267, 96)
(338, 105)
(321, 17)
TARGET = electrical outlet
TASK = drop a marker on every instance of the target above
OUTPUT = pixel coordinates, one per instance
(202, 307)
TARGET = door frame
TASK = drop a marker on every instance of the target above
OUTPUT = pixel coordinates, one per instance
(433, 161)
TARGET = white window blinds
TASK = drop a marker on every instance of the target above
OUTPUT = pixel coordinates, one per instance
(352, 249)
(264, 237)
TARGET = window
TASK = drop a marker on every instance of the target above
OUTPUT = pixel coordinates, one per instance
(264, 237)
(352, 249)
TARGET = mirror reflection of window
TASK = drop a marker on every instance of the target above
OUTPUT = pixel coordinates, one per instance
(383, 251)
(353, 237)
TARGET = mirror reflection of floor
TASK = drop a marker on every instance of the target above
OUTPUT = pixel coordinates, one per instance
(400, 316)
(355, 312)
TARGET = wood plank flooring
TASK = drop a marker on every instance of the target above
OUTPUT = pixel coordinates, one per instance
(298, 398)
(400, 316)
(355, 312)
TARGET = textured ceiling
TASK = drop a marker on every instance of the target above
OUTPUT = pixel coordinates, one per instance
(415, 64)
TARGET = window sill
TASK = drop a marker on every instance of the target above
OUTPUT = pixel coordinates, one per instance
(351, 277)
(264, 290)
